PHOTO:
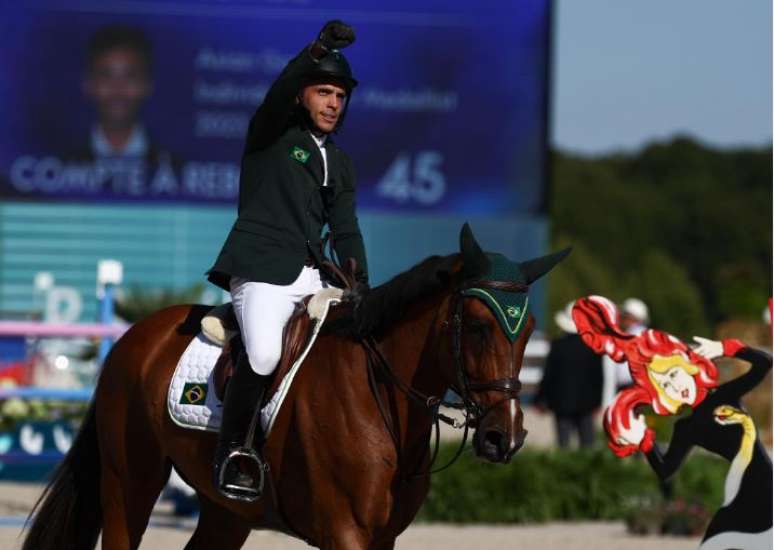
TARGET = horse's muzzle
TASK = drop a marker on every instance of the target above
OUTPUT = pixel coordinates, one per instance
(496, 446)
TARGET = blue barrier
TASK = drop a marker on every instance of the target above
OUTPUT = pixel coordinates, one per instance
(22, 460)
(33, 448)
(51, 394)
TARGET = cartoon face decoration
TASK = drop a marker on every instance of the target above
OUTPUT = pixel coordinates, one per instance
(672, 377)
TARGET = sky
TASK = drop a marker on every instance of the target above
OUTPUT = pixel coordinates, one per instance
(628, 72)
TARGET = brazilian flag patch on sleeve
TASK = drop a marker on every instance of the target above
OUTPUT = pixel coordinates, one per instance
(193, 394)
(299, 154)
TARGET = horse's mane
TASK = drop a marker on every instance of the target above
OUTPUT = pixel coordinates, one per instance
(387, 303)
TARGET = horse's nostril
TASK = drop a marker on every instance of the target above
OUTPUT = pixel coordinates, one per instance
(495, 439)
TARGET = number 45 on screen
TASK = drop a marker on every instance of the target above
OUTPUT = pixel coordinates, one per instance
(418, 178)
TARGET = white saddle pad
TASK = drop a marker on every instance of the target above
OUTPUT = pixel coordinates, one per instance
(191, 399)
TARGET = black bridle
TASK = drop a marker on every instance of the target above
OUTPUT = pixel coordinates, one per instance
(465, 388)
(474, 413)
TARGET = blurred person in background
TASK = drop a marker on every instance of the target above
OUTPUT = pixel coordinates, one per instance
(294, 179)
(634, 318)
(571, 387)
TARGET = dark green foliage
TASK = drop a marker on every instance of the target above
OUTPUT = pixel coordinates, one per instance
(541, 486)
(682, 226)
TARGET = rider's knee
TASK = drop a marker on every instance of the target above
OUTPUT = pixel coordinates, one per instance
(264, 357)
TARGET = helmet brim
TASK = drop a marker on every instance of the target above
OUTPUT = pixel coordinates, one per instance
(323, 77)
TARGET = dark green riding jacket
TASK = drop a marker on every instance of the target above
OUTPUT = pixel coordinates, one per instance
(282, 204)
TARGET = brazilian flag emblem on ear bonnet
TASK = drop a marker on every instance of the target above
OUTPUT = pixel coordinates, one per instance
(510, 308)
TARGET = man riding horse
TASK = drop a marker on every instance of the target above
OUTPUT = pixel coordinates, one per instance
(350, 450)
(294, 179)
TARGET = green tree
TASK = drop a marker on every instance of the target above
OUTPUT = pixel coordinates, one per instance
(699, 218)
(675, 301)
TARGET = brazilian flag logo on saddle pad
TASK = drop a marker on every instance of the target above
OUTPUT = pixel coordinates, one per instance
(299, 154)
(194, 394)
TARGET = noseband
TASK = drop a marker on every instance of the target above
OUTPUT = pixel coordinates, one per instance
(474, 412)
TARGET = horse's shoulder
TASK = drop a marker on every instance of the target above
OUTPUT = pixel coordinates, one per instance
(338, 347)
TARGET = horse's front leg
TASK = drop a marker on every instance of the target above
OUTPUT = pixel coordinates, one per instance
(218, 528)
(356, 518)
(346, 538)
(383, 544)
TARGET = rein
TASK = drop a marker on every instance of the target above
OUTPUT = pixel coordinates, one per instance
(474, 413)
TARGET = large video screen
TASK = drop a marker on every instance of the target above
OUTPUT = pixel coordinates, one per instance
(449, 116)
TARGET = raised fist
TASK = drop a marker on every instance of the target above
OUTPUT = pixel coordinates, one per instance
(336, 35)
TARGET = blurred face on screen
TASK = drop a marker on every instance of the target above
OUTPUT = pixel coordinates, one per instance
(118, 82)
(325, 102)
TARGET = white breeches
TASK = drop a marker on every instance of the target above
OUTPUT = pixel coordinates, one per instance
(263, 309)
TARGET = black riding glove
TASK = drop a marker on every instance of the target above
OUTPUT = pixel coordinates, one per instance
(333, 36)
(336, 35)
(356, 296)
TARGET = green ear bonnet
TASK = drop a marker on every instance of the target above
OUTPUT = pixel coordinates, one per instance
(510, 308)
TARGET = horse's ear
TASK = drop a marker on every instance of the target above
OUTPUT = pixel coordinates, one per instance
(534, 269)
(474, 261)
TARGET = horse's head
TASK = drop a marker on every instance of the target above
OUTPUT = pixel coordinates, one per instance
(488, 324)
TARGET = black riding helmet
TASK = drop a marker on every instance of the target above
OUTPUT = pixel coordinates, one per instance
(336, 67)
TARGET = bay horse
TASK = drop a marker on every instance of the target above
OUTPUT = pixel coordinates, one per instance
(350, 448)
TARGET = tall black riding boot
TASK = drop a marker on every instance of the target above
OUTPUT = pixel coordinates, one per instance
(238, 469)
